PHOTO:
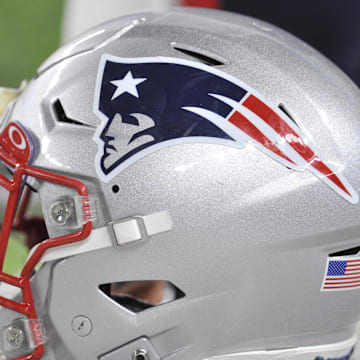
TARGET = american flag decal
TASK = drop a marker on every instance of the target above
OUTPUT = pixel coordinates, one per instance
(342, 273)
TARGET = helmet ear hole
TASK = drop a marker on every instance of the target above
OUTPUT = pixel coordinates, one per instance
(140, 295)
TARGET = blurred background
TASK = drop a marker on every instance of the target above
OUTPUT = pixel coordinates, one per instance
(32, 30)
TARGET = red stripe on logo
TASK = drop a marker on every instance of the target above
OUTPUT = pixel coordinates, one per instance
(321, 167)
(292, 138)
(250, 129)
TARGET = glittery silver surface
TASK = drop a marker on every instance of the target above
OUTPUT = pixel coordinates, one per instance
(250, 238)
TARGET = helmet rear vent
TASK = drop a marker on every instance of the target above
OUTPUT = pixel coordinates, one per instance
(200, 55)
(347, 252)
(137, 296)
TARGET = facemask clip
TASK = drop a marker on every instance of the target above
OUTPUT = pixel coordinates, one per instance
(21, 337)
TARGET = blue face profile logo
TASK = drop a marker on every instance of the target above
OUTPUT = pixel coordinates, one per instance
(143, 104)
(147, 104)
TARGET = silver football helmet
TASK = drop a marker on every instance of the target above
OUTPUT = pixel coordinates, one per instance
(198, 173)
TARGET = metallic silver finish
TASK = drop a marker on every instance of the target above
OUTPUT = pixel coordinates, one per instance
(81, 325)
(250, 238)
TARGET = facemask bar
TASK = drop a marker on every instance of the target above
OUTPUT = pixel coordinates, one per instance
(15, 152)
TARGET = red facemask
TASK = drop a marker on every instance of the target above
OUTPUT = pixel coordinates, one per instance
(16, 151)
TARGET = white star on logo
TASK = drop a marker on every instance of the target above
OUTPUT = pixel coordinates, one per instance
(127, 84)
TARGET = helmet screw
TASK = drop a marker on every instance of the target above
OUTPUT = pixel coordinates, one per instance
(14, 337)
(60, 212)
(140, 354)
(81, 325)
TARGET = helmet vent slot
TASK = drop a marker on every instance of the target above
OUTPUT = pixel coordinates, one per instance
(283, 108)
(62, 117)
(347, 252)
(208, 59)
(140, 295)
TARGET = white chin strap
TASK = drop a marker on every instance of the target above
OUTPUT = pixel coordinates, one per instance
(339, 351)
(117, 233)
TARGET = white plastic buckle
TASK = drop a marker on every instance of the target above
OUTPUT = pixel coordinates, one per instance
(129, 230)
(140, 228)
(118, 233)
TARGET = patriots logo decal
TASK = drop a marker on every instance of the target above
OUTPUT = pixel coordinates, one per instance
(146, 104)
